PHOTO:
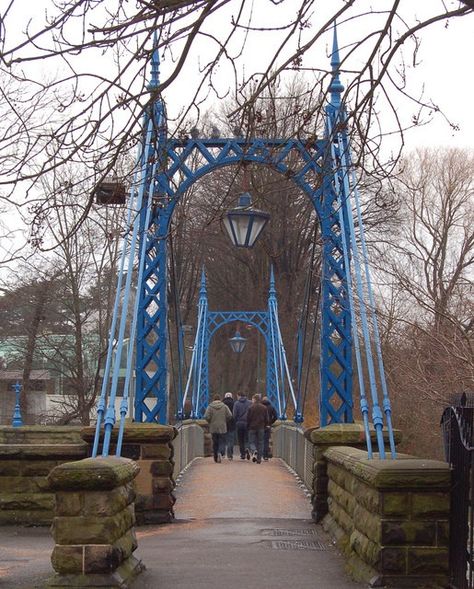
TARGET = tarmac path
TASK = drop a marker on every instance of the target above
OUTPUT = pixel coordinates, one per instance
(240, 525)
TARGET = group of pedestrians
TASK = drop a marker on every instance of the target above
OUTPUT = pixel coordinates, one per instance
(251, 420)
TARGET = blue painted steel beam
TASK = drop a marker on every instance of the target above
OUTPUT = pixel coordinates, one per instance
(181, 164)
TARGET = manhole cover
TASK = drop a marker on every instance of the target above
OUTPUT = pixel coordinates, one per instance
(298, 545)
(285, 532)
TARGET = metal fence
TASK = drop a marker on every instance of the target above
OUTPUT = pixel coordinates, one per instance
(188, 445)
(290, 445)
(457, 425)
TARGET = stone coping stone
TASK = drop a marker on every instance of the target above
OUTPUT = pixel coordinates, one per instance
(93, 474)
(405, 472)
(290, 424)
(345, 433)
(137, 433)
(45, 451)
(199, 422)
(29, 434)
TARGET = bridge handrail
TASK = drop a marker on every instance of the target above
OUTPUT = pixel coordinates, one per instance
(292, 447)
(188, 445)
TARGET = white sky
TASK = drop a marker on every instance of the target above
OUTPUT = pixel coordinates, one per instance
(443, 70)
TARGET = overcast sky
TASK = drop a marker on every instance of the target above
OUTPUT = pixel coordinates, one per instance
(442, 72)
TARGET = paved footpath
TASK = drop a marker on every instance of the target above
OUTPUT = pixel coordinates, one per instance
(238, 525)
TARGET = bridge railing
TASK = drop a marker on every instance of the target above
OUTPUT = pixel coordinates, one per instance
(188, 445)
(290, 445)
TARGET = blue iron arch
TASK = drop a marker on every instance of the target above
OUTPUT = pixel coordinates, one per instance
(217, 319)
(278, 378)
(314, 167)
(218, 153)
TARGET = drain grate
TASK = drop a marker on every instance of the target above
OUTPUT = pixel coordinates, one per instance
(286, 532)
(298, 545)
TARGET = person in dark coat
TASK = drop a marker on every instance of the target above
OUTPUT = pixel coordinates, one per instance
(241, 406)
(217, 415)
(272, 417)
(230, 435)
(257, 421)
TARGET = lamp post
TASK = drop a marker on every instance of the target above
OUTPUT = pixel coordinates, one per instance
(237, 343)
(244, 224)
(17, 420)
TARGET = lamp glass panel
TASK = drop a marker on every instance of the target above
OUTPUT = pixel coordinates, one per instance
(257, 227)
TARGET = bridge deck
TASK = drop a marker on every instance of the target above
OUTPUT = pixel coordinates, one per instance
(240, 525)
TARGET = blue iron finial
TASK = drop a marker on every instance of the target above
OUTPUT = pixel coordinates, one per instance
(335, 87)
(272, 289)
(155, 65)
(203, 289)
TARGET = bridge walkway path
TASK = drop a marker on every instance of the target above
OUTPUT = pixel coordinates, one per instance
(240, 525)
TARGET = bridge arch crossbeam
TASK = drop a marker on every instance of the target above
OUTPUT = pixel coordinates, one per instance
(217, 319)
(298, 161)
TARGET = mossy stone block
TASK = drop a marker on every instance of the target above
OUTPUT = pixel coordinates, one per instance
(98, 503)
(160, 468)
(341, 516)
(137, 433)
(367, 523)
(428, 560)
(396, 504)
(343, 498)
(442, 533)
(68, 503)
(157, 451)
(27, 501)
(67, 559)
(92, 530)
(430, 505)
(367, 550)
(93, 474)
(393, 560)
(408, 533)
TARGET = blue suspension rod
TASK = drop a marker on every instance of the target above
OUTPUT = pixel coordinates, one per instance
(105, 381)
(377, 417)
(109, 420)
(364, 407)
(141, 265)
(383, 380)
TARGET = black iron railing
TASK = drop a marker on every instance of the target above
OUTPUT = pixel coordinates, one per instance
(457, 425)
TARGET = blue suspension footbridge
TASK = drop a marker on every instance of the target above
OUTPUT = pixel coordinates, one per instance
(166, 167)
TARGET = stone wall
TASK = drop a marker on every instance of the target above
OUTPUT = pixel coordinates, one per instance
(94, 522)
(334, 435)
(390, 517)
(27, 456)
(150, 445)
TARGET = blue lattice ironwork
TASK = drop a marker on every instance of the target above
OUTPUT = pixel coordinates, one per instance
(278, 381)
(312, 168)
(322, 169)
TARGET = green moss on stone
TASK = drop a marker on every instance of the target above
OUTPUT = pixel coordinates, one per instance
(93, 474)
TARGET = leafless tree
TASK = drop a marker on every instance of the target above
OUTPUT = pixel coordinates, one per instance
(429, 324)
(88, 113)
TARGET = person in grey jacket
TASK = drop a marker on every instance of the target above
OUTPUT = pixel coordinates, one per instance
(217, 415)
(241, 406)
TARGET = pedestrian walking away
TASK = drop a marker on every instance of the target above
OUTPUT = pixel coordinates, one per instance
(230, 435)
(217, 415)
(272, 417)
(257, 421)
(241, 407)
